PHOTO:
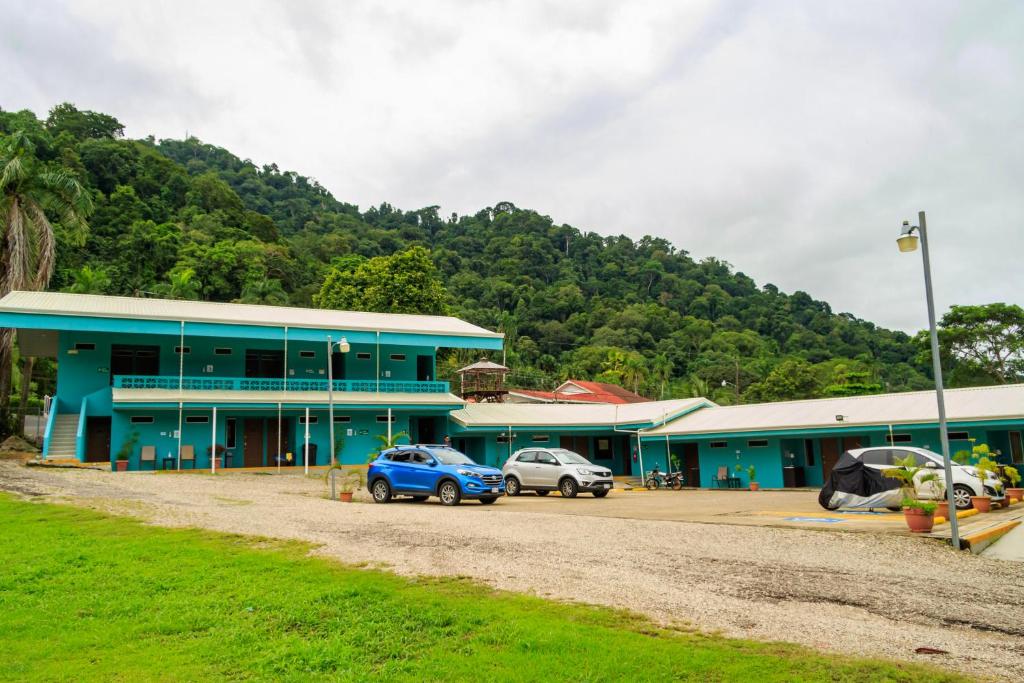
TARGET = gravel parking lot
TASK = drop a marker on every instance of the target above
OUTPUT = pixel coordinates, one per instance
(860, 593)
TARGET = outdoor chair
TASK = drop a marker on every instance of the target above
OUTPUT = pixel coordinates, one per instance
(148, 454)
(188, 454)
(722, 478)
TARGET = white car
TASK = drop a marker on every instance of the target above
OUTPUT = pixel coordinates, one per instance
(555, 469)
(966, 482)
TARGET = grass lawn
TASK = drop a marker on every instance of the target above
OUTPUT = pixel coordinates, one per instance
(84, 596)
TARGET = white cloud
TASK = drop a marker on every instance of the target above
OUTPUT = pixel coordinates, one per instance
(787, 138)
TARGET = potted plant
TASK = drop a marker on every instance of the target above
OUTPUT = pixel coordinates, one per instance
(121, 464)
(919, 515)
(1012, 491)
(978, 458)
(217, 451)
(941, 504)
(751, 475)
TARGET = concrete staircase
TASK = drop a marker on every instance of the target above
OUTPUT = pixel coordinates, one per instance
(63, 437)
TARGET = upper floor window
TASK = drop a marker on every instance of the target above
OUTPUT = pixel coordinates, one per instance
(363, 355)
(757, 443)
(197, 419)
(183, 349)
(142, 419)
(127, 359)
(719, 444)
(85, 346)
(222, 351)
(259, 363)
(307, 354)
(398, 356)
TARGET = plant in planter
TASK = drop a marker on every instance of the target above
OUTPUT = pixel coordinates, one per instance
(347, 481)
(751, 475)
(978, 458)
(121, 465)
(919, 515)
(1013, 491)
(941, 504)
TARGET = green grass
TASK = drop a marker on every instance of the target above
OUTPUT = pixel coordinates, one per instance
(84, 596)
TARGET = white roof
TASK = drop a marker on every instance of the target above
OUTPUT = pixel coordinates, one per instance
(98, 306)
(572, 414)
(962, 405)
(225, 398)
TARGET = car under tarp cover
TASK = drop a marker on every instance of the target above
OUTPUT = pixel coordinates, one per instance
(853, 485)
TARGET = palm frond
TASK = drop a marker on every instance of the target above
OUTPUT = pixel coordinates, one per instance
(45, 247)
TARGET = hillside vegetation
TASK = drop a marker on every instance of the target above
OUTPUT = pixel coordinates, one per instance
(182, 218)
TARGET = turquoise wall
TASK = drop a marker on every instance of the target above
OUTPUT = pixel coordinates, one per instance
(358, 437)
(85, 372)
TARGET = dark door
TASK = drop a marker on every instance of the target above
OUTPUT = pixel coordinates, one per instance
(338, 365)
(627, 455)
(829, 456)
(97, 439)
(260, 363)
(1016, 449)
(576, 444)
(253, 442)
(127, 359)
(425, 430)
(286, 445)
(691, 464)
(424, 368)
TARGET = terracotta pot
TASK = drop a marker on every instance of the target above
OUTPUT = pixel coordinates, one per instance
(982, 503)
(1017, 493)
(120, 465)
(345, 496)
(942, 510)
(754, 486)
(919, 521)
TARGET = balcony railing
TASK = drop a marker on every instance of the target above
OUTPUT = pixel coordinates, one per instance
(271, 384)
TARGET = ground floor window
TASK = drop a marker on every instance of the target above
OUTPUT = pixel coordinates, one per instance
(229, 432)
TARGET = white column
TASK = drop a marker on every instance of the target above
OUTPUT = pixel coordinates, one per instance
(213, 442)
(389, 426)
(181, 385)
(305, 446)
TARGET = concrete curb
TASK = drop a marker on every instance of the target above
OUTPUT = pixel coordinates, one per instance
(980, 540)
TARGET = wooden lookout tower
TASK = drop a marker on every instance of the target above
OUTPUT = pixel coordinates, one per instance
(483, 382)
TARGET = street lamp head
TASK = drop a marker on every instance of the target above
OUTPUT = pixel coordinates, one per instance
(907, 241)
(343, 345)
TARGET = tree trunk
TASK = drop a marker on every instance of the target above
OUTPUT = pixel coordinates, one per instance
(26, 384)
(6, 342)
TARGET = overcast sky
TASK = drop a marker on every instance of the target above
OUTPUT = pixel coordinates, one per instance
(788, 138)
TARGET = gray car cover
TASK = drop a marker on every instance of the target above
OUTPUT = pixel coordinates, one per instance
(853, 485)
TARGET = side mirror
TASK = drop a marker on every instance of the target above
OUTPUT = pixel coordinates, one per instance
(931, 465)
(432, 463)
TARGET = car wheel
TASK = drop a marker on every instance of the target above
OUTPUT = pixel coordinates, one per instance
(542, 492)
(488, 500)
(381, 491)
(962, 496)
(511, 486)
(600, 494)
(449, 493)
(419, 499)
(568, 488)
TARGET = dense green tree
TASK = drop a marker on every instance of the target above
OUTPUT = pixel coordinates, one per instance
(407, 282)
(986, 340)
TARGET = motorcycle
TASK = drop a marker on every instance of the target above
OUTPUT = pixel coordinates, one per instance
(656, 479)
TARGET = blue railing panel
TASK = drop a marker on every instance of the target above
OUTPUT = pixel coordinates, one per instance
(271, 384)
(50, 419)
(80, 432)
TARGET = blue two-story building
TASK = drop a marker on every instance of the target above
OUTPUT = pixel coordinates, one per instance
(170, 378)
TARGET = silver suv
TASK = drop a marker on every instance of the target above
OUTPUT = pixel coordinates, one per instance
(555, 469)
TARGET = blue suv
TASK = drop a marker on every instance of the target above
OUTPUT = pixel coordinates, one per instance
(423, 471)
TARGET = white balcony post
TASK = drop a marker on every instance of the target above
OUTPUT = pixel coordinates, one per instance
(305, 445)
(330, 395)
(389, 427)
(213, 442)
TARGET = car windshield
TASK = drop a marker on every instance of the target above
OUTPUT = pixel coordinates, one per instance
(569, 458)
(450, 456)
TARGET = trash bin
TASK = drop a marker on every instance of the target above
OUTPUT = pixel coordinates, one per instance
(793, 477)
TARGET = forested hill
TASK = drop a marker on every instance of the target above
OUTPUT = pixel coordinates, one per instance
(187, 219)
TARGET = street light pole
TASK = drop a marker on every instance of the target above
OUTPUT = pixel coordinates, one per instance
(906, 244)
(330, 393)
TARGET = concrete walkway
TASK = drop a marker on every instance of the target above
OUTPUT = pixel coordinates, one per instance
(1009, 547)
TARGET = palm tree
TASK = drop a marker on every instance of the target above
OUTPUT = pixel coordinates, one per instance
(29, 194)
(634, 371)
(264, 291)
(89, 280)
(181, 284)
(661, 372)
